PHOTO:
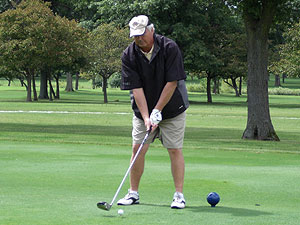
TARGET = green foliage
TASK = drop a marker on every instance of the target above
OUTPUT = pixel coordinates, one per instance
(97, 81)
(199, 27)
(21, 46)
(284, 91)
(115, 80)
(6, 73)
(72, 9)
(107, 42)
(289, 54)
(211, 37)
(197, 86)
(36, 39)
(200, 87)
(6, 4)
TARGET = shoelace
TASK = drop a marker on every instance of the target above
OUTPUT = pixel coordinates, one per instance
(177, 199)
(130, 195)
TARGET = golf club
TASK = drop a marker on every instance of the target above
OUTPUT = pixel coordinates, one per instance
(106, 205)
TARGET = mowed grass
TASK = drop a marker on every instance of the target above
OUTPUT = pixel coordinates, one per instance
(55, 167)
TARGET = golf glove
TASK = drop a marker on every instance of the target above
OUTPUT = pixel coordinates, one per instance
(155, 116)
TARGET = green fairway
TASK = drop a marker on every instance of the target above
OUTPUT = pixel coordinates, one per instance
(58, 159)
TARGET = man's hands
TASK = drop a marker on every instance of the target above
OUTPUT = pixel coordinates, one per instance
(153, 120)
(155, 117)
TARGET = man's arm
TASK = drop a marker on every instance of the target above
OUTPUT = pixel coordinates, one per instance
(166, 95)
(141, 103)
(164, 98)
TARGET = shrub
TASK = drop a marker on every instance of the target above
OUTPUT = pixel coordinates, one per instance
(115, 80)
(284, 91)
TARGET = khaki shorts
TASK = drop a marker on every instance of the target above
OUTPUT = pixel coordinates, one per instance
(169, 131)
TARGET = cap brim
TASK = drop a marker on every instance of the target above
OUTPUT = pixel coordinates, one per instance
(137, 32)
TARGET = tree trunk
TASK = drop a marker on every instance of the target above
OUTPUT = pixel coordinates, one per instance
(43, 84)
(235, 87)
(57, 87)
(216, 89)
(259, 125)
(283, 78)
(208, 88)
(77, 81)
(277, 81)
(22, 83)
(35, 98)
(240, 86)
(94, 83)
(28, 87)
(58, 75)
(9, 81)
(69, 86)
(50, 90)
(104, 89)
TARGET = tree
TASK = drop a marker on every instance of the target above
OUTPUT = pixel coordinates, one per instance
(38, 39)
(21, 45)
(289, 54)
(79, 10)
(107, 42)
(207, 32)
(258, 17)
(73, 10)
(234, 55)
(199, 29)
(6, 73)
(4, 5)
(8, 4)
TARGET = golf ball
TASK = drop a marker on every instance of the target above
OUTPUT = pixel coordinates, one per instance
(120, 212)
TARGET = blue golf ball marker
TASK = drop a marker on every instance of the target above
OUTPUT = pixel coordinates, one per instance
(213, 199)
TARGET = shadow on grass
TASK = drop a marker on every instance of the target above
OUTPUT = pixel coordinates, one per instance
(76, 97)
(99, 130)
(155, 205)
(244, 104)
(219, 209)
(71, 101)
(228, 210)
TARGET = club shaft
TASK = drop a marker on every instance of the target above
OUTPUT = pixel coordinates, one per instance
(130, 166)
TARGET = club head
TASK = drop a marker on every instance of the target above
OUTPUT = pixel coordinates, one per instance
(104, 206)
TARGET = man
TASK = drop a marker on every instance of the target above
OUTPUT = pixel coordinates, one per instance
(152, 68)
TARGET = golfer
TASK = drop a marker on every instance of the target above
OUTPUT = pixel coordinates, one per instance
(152, 69)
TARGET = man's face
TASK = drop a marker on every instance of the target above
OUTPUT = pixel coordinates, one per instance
(145, 41)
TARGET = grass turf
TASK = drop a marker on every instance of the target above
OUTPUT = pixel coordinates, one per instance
(56, 166)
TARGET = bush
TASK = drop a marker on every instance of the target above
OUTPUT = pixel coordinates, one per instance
(284, 91)
(97, 81)
(115, 80)
(200, 86)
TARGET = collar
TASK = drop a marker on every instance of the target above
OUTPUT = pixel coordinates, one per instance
(155, 48)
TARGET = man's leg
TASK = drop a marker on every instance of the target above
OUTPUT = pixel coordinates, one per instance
(136, 173)
(138, 167)
(177, 168)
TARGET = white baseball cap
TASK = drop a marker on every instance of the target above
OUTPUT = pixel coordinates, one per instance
(138, 25)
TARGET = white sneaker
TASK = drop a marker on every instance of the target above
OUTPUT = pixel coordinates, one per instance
(178, 201)
(131, 198)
